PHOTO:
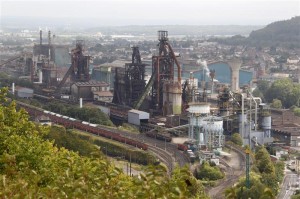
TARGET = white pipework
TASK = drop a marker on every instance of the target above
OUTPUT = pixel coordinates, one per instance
(80, 102)
(243, 121)
(254, 99)
(40, 76)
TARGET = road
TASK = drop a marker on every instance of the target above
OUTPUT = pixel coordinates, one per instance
(289, 184)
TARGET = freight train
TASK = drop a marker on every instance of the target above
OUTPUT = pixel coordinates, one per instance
(69, 122)
(159, 136)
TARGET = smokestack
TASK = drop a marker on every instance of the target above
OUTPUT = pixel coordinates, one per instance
(41, 37)
(49, 43)
(80, 102)
(49, 37)
(13, 88)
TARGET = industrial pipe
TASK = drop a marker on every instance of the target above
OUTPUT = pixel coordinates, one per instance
(254, 99)
(80, 102)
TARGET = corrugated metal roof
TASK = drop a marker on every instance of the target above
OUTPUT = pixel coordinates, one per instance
(25, 90)
(103, 93)
(142, 114)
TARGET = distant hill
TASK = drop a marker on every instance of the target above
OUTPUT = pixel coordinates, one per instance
(281, 33)
(286, 33)
(201, 30)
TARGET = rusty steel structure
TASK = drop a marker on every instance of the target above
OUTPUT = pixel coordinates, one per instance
(44, 70)
(164, 85)
(166, 91)
(79, 69)
(130, 82)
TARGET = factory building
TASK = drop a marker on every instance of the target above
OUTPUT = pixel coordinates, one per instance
(24, 92)
(286, 127)
(136, 117)
(103, 73)
(89, 90)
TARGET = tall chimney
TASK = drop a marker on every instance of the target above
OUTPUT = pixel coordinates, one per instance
(49, 37)
(41, 37)
(49, 43)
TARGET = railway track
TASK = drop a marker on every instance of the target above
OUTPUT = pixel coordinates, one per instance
(231, 175)
(165, 151)
(171, 148)
(179, 157)
(163, 156)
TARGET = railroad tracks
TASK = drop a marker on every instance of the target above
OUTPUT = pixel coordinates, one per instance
(163, 156)
(165, 151)
(231, 175)
(170, 148)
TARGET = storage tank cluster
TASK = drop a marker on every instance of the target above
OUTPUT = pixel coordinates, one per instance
(205, 132)
(265, 119)
(212, 135)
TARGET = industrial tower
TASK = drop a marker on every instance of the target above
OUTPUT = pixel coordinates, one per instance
(130, 84)
(79, 69)
(166, 93)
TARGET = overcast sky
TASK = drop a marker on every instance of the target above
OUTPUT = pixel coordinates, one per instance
(157, 12)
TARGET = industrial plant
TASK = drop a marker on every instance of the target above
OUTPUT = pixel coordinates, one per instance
(162, 104)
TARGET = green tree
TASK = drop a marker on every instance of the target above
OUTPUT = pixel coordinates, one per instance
(256, 187)
(263, 161)
(237, 139)
(31, 167)
(286, 91)
(207, 172)
(276, 103)
(258, 93)
(268, 194)
(263, 86)
(296, 111)
(230, 193)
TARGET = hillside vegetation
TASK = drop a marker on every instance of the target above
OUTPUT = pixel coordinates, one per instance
(286, 33)
(31, 167)
(278, 34)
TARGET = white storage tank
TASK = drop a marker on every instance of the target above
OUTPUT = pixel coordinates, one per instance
(266, 122)
(197, 111)
(199, 108)
(212, 131)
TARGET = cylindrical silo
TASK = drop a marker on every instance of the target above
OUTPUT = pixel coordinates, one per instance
(266, 122)
(172, 98)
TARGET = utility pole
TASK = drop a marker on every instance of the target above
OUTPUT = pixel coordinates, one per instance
(247, 151)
